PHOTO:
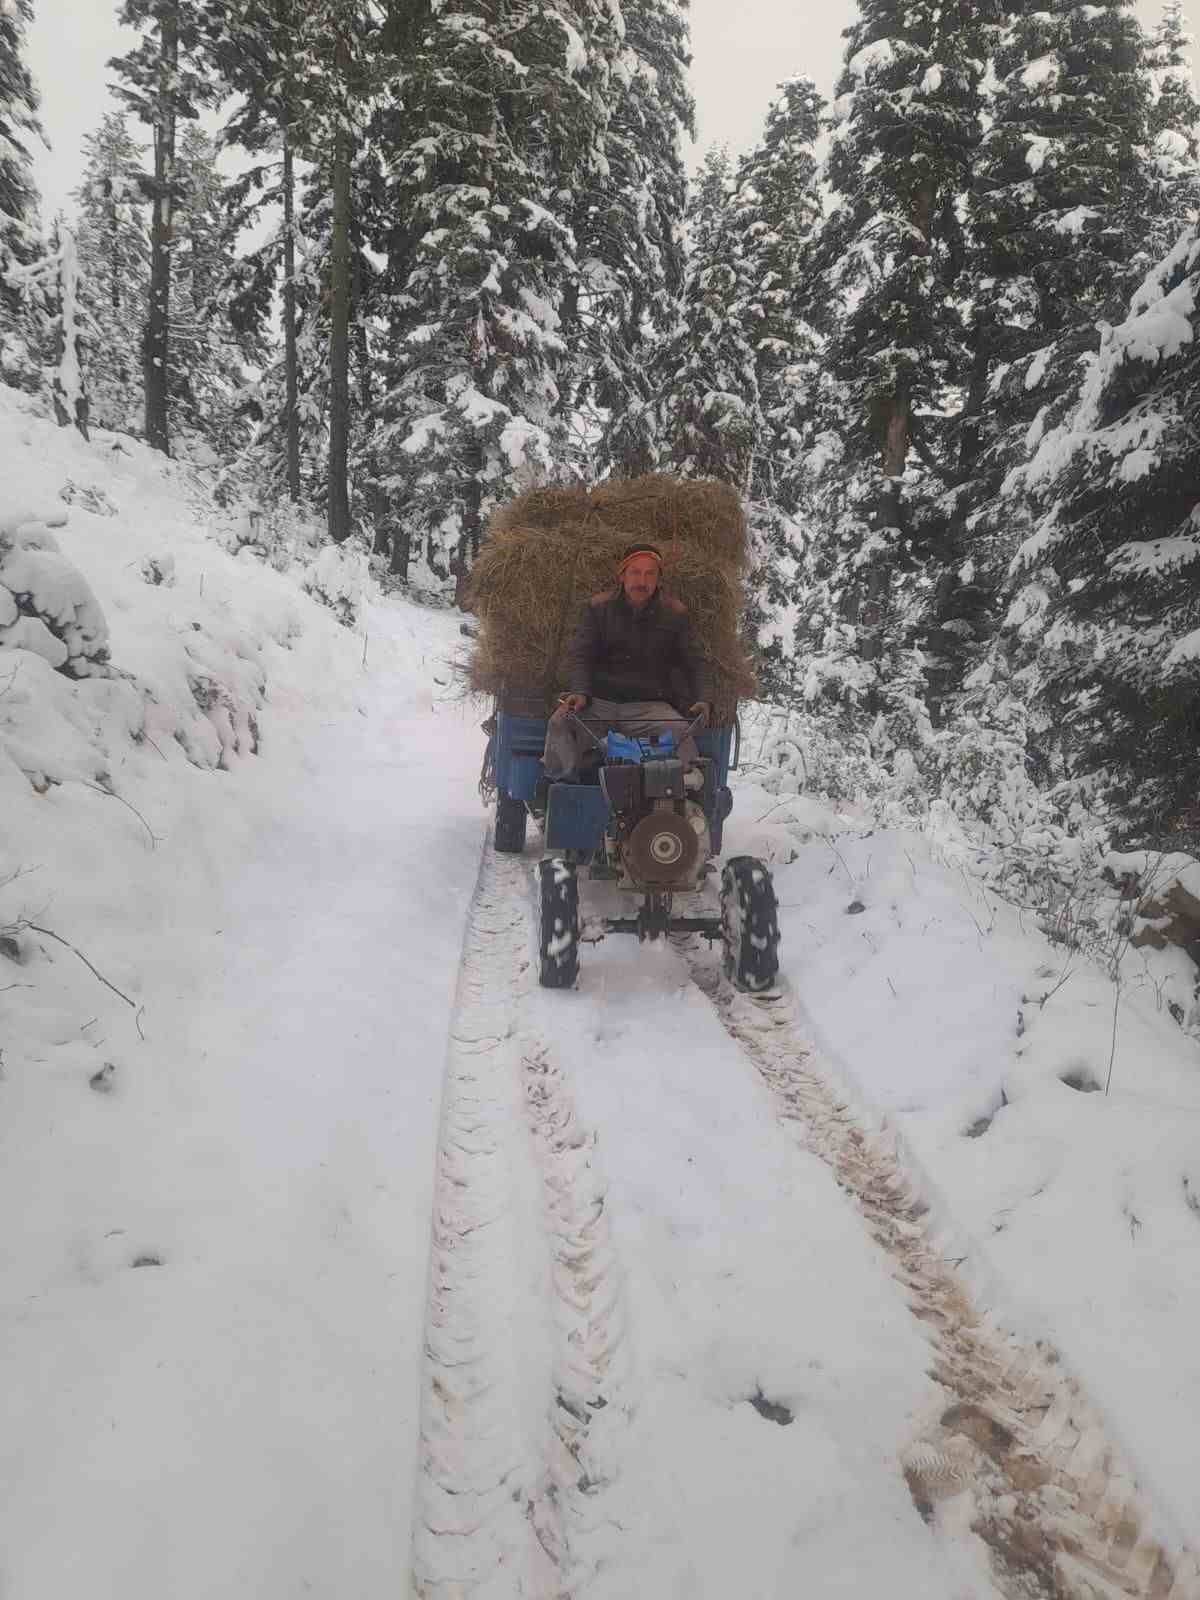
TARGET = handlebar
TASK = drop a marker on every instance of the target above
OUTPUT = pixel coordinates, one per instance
(573, 716)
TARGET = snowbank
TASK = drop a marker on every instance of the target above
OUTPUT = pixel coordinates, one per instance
(234, 863)
(1054, 1115)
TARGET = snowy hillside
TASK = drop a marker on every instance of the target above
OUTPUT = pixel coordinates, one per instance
(218, 1194)
(340, 1259)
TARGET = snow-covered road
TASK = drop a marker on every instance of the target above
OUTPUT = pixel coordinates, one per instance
(690, 1331)
(668, 1348)
(630, 1253)
(687, 1328)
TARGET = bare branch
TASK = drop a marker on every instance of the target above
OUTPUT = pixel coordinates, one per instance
(49, 933)
(113, 795)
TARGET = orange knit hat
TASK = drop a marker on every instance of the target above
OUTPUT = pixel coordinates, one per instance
(636, 550)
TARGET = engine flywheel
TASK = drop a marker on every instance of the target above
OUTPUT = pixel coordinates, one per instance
(662, 849)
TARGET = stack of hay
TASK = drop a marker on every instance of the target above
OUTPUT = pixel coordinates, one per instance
(549, 551)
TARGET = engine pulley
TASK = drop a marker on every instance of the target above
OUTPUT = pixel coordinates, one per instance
(663, 848)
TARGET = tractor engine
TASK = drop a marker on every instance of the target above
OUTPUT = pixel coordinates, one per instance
(659, 837)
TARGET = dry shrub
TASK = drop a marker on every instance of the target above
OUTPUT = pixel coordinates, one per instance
(531, 582)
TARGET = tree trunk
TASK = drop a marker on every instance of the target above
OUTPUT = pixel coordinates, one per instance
(339, 340)
(401, 548)
(895, 445)
(473, 501)
(983, 344)
(362, 356)
(156, 347)
(114, 248)
(290, 357)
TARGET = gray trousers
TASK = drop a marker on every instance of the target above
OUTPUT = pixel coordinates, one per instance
(566, 742)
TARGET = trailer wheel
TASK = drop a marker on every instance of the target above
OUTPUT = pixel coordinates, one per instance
(749, 924)
(558, 925)
(511, 817)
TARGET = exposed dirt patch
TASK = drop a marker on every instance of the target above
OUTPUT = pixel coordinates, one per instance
(771, 1410)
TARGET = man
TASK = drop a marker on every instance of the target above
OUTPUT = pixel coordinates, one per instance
(632, 651)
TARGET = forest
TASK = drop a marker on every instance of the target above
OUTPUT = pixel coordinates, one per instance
(938, 333)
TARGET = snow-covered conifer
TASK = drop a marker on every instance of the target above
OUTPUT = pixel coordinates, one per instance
(19, 237)
(704, 403)
(208, 385)
(46, 354)
(1058, 201)
(776, 208)
(775, 212)
(259, 53)
(338, 42)
(906, 125)
(1174, 108)
(1063, 200)
(114, 256)
(888, 297)
(1174, 120)
(69, 383)
(164, 79)
(1107, 610)
(491, 131)
(628, 220)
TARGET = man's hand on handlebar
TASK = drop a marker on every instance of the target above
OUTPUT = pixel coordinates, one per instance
(567, 703)
(703, 711)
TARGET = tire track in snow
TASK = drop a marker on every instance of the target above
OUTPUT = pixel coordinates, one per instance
(474, 1533)
(511, 1486)
(1059, 1512)
(591, 1371)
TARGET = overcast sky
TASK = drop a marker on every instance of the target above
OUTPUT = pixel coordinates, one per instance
(741, 50)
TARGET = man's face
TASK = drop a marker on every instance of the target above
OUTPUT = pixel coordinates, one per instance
(640, 579)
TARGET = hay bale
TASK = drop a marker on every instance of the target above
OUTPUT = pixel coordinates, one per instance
(529, 587)
(551, 507)
(662, 510)
(669, 511)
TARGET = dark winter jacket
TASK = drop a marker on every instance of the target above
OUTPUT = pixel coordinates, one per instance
(622, 654)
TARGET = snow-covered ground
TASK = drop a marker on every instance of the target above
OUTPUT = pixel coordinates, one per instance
(237, 1416)
(986, 1049)
(654, 1351)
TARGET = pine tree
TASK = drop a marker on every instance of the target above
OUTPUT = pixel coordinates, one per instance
(302, 422)
(888, 299)
(1107, 610)
(70, 333)
(1174, 108)
(705, 409)
(776, 209)
(336, 33)
(1060, 190)
(164, 80)
(258, 52)
(114, 256)
(906, 129)
(1174, 122)
(52, 329)
(775, 212)
(207, 383)
(19, 234)
(490, 131)
(1063, 198)
(628, 222)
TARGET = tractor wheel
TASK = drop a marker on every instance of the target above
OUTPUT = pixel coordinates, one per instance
(749, 924)
(558, 927)
(511, 817)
